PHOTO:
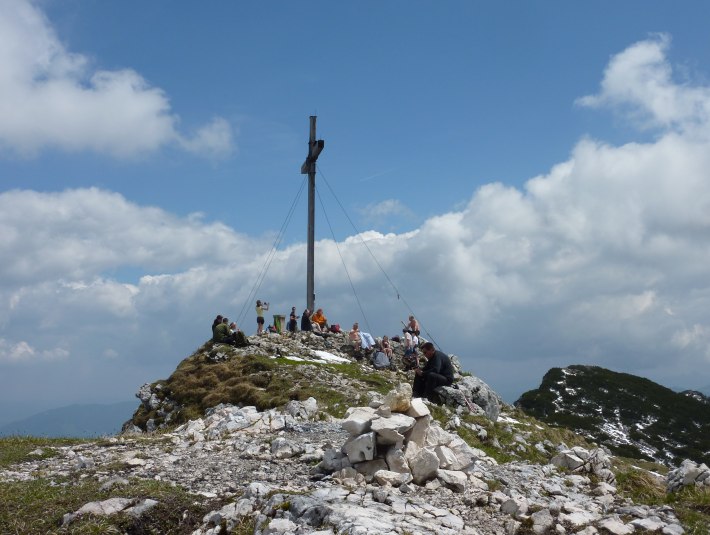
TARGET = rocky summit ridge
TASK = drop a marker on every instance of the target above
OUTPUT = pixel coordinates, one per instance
(360, 457)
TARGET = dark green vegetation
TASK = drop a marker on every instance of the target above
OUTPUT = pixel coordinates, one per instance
(607, 406)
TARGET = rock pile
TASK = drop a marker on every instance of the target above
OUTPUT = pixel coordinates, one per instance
(687, 474)
(580, 461)
(398, 442)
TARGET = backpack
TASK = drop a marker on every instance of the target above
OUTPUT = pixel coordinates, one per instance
(380, 360)
(335, 328)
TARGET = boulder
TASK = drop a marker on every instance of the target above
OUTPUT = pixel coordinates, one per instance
(477, 392)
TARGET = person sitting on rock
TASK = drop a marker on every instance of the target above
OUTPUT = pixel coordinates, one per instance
(386, 346)
(411, 336)
(216, 322)
(319, 322)
(237, 337)
(438, 371)
(222, 334)
(354, 336)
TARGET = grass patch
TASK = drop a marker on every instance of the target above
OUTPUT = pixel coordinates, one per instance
(38, 507)
(500, 442)
(199, 383)
(16, 449)
(691, 504)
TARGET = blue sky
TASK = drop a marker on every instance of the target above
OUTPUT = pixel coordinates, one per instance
(532, 175)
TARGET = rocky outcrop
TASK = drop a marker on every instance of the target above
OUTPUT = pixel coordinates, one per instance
(580, 461)
(468, 394)
(285, 473)
(689, 473)
(472, 392)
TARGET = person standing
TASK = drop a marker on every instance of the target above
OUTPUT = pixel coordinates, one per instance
(260, 307)
(437, 372)
(306, 320)
(292, 320)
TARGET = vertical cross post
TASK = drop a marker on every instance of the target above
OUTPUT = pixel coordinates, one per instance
(309, 167)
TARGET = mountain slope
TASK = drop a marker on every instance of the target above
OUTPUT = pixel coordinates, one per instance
(633, 416)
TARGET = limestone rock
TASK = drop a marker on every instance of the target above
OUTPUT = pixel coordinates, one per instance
(399, 399)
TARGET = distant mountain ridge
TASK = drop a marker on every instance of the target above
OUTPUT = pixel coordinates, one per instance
(632, 416)
(80, 421)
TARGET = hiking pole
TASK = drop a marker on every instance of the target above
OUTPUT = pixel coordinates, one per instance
(466, 400)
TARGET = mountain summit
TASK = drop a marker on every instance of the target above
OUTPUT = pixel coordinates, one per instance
(300, 434)
(632, 416)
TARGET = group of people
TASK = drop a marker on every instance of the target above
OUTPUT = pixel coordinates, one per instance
(437, 370)
(224, 332)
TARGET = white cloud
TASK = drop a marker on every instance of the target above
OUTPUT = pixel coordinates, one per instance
(581, 265)
(51, 97)
(639, 81)
(213, 139)
(22, 351)
(77, 234)
(379, 213)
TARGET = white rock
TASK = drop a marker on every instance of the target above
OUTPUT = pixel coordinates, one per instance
(358, 420)
(453, 479)
(424, 465)
(360, 448)
(418, 409)
(616, 527)
(395, 479)
(399, 399)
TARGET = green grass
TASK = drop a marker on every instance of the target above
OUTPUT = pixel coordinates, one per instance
(199, 383)
(16, 449)
(691, 505)
(38, 507)
(504, 433)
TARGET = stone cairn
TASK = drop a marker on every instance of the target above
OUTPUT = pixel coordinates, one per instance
(397, 442)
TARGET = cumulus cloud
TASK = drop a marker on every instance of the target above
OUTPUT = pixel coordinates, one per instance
(377, 213)
(581, 265)
(51, 97)
(76, 234)
(639, 80)
(22, 351)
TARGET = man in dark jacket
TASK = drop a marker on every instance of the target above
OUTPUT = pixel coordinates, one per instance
(437, 372)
